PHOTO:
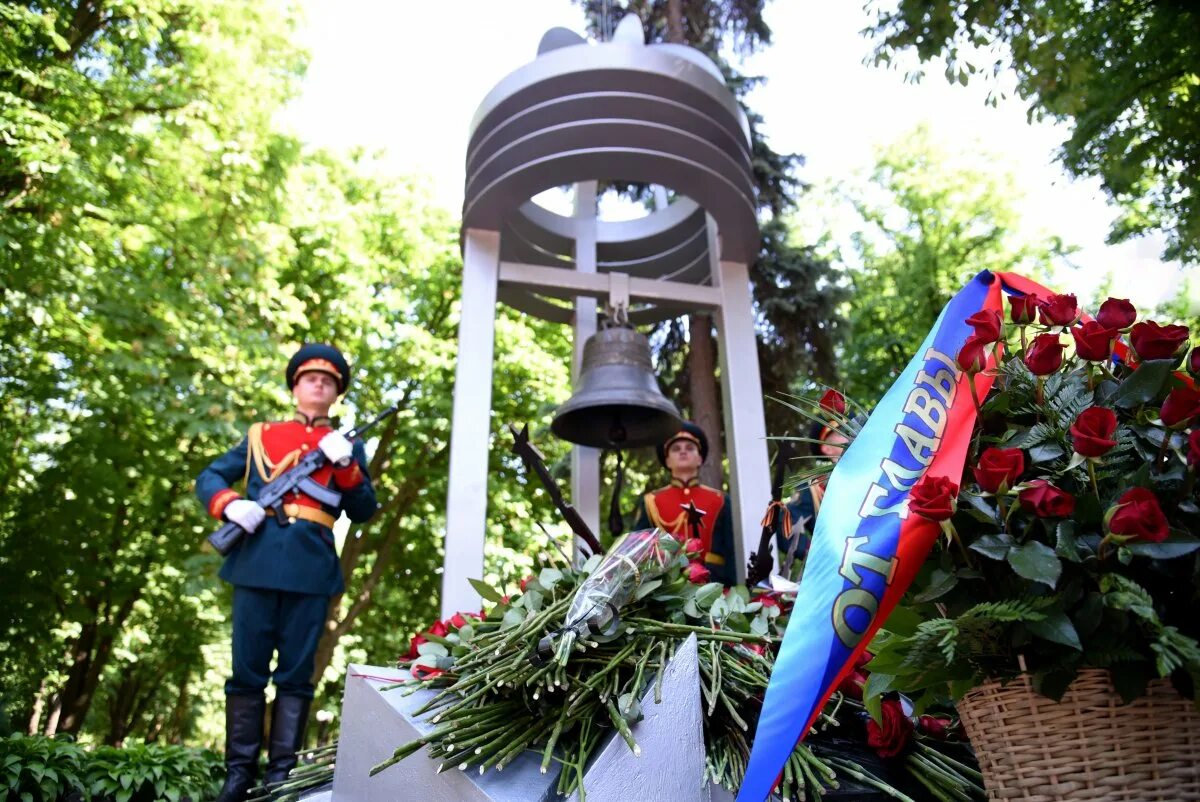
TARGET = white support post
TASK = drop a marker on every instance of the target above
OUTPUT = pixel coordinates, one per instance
(585, 461)
(741, 387)
(470, 427)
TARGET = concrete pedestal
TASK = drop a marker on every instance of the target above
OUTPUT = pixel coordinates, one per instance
(374, 723)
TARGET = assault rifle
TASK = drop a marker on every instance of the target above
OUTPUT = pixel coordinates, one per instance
(763, 560)
(535, 462)
(297, 479)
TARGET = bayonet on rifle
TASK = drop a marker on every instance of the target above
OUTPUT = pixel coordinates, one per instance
(536, 462)
(763, 560)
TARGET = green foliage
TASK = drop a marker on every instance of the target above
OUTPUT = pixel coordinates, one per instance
(41, 768)
(1124, 75)
(37, 767)
(930, 220)
(1017, 588)
(163, 249)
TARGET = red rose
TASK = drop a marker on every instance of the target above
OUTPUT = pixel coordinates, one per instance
(1045, 354)
(891, 736)
(1092, 431)
(1138, 515)
(525, 582)
(934, 727)
(1193, 457)
(1094, 341)
(1116, 313)
(693, 547)
(833, 402)
(414, 647)
(457, 621)
(697, 573)
(1023, 308)
(862, 659)
(986, 323)
(933, 498)
(1152, 341)
(1059, 310)
(1193, 362)
(767, 600)
(972, 357)
(438, 629)
(999, 468)
(1045, 500)
(852, 686)
(1181, 405)
(421, 673)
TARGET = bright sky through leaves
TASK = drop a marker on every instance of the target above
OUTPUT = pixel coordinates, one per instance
(406, 78)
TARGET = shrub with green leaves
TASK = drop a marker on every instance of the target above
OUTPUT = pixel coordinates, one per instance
(44, 769)
(1073, 540)
(41, 768)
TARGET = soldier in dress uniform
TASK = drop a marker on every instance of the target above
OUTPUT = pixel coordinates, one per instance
(805, 504)
(284, 572)
(668, 508)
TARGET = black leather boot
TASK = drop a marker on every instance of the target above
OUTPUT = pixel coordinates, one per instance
(243, 741)
(288, 721)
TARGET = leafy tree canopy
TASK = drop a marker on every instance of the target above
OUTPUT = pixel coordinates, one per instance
(922, 222)
(1125, 75)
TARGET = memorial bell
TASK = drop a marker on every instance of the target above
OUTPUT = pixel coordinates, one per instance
(617, 403)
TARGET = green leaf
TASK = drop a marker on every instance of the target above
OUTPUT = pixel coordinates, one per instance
(940, 583)
(1037, 562)
(994, 546)
(549, 577)
(1065, 545)
(486, 591)
(512, 618)
(432, 649)
(977, 507)
(708, 593)
(1058, 628)
(647, 588)
(877, 685)
(1177, 544)
(1144, 385)
(1046, 452)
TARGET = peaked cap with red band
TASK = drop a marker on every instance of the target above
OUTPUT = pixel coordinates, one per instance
(689, 431)
(320, 357)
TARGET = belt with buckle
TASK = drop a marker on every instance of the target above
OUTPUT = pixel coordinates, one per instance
(294, 511)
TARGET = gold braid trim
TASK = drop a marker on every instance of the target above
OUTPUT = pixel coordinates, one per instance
(257, 453)
(656, 517)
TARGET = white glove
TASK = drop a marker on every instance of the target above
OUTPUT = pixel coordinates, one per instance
(337, 449)
(245, 513)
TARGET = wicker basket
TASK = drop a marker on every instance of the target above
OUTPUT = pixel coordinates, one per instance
(1089, 746)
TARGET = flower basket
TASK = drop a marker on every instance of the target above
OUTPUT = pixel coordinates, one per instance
(1089, 746)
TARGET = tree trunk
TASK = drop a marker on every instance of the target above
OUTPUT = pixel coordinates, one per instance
(39, 703)
(675, 22)
(702, 374)
(89, 655)
(702, 384)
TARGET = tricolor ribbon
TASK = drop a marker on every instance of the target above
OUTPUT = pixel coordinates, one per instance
(866, 549)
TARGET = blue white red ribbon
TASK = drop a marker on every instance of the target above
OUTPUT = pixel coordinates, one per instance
(866, 548)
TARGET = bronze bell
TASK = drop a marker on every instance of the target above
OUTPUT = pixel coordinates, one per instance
(617, 403)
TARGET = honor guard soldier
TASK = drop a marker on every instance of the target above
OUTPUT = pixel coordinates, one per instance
(687, 508)
(284, 571)
(805, 504)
